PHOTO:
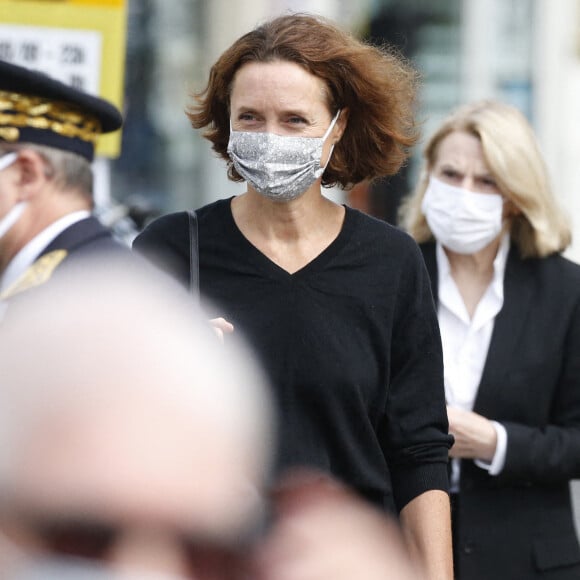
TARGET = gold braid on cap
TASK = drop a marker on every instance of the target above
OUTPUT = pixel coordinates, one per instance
(18, 111)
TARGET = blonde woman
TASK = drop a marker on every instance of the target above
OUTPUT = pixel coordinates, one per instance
(509, 313)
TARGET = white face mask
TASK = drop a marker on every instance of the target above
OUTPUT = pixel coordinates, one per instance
(14, 214)
(278, 167)
(462, 220)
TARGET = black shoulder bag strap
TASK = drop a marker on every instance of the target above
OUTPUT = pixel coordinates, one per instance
(193, 254)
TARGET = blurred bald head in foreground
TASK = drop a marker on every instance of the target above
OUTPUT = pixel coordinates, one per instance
(129, 435)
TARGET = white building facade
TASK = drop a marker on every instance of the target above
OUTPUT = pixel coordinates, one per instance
(528, 52)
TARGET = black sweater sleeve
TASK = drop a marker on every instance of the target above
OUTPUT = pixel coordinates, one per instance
(415, 427)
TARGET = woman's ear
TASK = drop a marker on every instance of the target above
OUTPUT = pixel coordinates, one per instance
(510, 209)
(341, 124)
(32, 176)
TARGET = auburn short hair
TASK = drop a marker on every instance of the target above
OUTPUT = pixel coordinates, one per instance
(376, 84)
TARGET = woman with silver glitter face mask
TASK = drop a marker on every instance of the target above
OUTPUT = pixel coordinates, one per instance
(337, 304)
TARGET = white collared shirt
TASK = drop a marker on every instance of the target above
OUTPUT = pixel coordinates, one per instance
(28, 254)
(466, 343)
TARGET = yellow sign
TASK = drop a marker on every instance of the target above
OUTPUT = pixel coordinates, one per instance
(80, 42)
(98, 2)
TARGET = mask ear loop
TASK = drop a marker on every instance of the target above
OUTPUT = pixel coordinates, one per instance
(7, 160)
(230, 139)
(322, 169)
(12, 217)
(331, 126)
(14, 214)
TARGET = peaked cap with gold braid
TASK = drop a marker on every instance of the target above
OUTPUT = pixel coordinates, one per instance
(35, 108)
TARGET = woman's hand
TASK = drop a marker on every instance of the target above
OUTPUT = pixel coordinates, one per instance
(475, 436)
(221, 327)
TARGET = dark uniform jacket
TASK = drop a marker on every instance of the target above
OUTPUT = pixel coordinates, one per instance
(84, 240)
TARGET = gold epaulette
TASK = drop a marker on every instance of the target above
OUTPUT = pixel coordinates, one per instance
(39, 273)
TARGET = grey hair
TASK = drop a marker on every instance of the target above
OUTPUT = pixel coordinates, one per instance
(70, 171)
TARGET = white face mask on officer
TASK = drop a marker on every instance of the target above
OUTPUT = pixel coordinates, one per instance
(14, 214)
(462, 220)
(277, 166)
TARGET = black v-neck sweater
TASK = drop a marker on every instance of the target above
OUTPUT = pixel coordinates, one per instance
(350, 343)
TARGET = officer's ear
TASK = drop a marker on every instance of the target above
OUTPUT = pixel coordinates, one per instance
(34, 173)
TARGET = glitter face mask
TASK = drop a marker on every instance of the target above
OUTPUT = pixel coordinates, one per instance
(279, 167)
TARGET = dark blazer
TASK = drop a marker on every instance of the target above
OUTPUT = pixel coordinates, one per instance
(86, 237)
(84, 240)
(519, 525)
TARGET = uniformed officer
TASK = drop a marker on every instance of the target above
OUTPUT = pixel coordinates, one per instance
(48, 132)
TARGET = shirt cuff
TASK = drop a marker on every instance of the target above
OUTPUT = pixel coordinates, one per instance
(498, 460)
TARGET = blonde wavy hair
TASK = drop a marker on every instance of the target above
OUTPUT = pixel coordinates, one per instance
(514, 159)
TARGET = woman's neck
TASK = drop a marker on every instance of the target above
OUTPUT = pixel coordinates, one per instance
(305, 217)
(290, 234)
(473, 273)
